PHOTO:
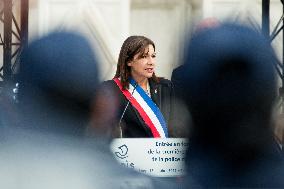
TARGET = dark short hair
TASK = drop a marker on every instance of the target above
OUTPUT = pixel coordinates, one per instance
(58, 73)
(62, 63)
(228, 74)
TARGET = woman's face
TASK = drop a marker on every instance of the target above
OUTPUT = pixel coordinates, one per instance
(142, 66)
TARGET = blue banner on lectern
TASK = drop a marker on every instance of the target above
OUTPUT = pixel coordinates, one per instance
(155, 157)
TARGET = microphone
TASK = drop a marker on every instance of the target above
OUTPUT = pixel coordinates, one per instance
(128, 102)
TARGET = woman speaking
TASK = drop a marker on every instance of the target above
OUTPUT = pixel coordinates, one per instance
(145, 100)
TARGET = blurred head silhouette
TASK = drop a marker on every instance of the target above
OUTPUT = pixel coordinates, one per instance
(229, 79)
(207, 23)
(57, 81)
(230, 89)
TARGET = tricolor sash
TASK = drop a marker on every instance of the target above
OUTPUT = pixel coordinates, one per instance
(147, 109)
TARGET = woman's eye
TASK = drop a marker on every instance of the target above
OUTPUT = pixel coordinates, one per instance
(153, 56)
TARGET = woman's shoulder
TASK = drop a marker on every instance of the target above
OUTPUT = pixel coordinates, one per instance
(107, 84)
(110, 82)
(165, 82)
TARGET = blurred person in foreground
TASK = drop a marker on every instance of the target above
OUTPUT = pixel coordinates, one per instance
(44, 148)
(57, 82)
(230, 89)
(182, 119)
(176, 78)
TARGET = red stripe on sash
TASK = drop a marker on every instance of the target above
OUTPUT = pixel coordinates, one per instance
(141, 111)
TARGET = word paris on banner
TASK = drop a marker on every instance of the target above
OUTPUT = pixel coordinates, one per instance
(155, 157)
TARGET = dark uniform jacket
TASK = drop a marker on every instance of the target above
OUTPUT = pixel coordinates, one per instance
(132, 124)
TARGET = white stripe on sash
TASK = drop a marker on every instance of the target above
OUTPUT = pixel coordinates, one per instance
(148, 110)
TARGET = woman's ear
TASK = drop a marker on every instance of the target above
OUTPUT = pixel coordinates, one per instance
(129, 63)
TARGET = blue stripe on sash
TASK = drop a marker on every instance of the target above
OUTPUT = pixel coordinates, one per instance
(152, 105)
